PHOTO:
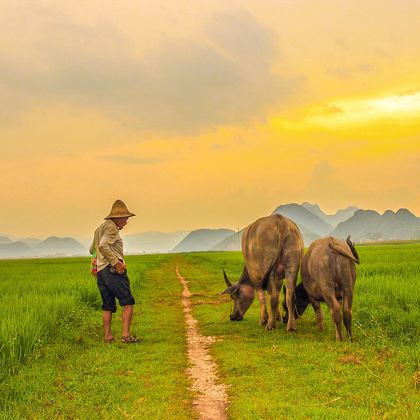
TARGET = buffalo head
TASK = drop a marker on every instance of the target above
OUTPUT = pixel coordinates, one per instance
(300, 304)
(242, 295)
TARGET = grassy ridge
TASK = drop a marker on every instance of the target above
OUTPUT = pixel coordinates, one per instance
(388, 293)
(54, 363)
(72, 374)
(38, 298)
(307, 374)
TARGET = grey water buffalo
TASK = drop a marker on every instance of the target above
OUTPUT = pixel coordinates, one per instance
(328, 275)
(272, 248)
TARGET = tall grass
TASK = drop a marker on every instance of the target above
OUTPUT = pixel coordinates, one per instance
(69, 372)
(374, 376)
(308, 374)
(39, 297)
(387, 295)
(387, 291)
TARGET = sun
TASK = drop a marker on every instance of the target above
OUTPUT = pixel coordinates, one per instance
(408, 104)
(345, 113)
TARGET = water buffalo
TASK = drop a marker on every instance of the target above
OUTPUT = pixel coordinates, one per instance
(328, 275)
(272, 248)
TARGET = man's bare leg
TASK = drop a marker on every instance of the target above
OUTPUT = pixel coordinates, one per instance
(127, 316)
(107, 319)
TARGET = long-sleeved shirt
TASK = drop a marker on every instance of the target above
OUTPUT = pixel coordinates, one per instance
(108, 244)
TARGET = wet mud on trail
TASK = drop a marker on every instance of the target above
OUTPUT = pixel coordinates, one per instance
(211, 400)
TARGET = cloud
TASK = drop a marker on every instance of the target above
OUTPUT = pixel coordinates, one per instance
(242, 37)
(359, 113)
(348, 72)
(132, 160)
(343, 44)
(323, 183)
(181, 86)
(331, 110)
(326, 188)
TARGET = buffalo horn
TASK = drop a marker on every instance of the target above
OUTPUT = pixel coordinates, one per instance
(228, 283)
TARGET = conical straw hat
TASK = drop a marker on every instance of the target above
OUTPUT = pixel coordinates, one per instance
(119, 209)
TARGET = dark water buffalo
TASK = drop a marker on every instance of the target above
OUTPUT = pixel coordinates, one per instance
(273, 249)
(328, 275)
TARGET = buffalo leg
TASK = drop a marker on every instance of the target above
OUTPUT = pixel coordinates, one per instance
(273, 290)
(263, 307)
(318, 314)
(291, 277)
(347, 312)
(335, 310)
(277, 314)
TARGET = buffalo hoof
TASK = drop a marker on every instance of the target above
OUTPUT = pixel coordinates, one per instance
(291, 328)
(270, 326)
(263, 321)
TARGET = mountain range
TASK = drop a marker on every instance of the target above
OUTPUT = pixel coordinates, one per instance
(153, 242)
(332, 219)
(369, 225)
(33, 247)
(362, 225)
(202, 240)
(15, 249)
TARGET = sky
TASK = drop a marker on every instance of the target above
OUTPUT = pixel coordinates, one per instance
(204, 114)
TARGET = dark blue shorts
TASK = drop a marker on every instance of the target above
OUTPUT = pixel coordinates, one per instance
(112, 286)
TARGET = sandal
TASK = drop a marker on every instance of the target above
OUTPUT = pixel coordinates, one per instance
(129, 339)
(109, 341)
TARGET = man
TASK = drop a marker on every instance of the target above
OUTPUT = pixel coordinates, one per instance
(112, 276)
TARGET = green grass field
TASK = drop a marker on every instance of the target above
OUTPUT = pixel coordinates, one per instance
(54, 364)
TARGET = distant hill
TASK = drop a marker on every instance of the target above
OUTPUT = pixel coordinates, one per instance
(31, 242)
(5, 241)
(308, 236)
(202, 240)
(332, 219)
(15, 250)
(152, 242)
(369, 225)
(54, 246)
(233, 242)
(230, 243)
(305, 219)
(313, 223)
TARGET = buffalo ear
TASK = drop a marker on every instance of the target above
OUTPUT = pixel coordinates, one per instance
(231, 289)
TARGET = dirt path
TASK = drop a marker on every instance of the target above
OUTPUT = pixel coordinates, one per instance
(211, 399)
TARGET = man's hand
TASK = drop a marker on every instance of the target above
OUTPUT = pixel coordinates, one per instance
(120, 267)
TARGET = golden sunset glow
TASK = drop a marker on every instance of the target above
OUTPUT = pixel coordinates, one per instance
(367, 112)
(205, 114)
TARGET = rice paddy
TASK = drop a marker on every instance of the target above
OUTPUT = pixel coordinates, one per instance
(54, 364)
